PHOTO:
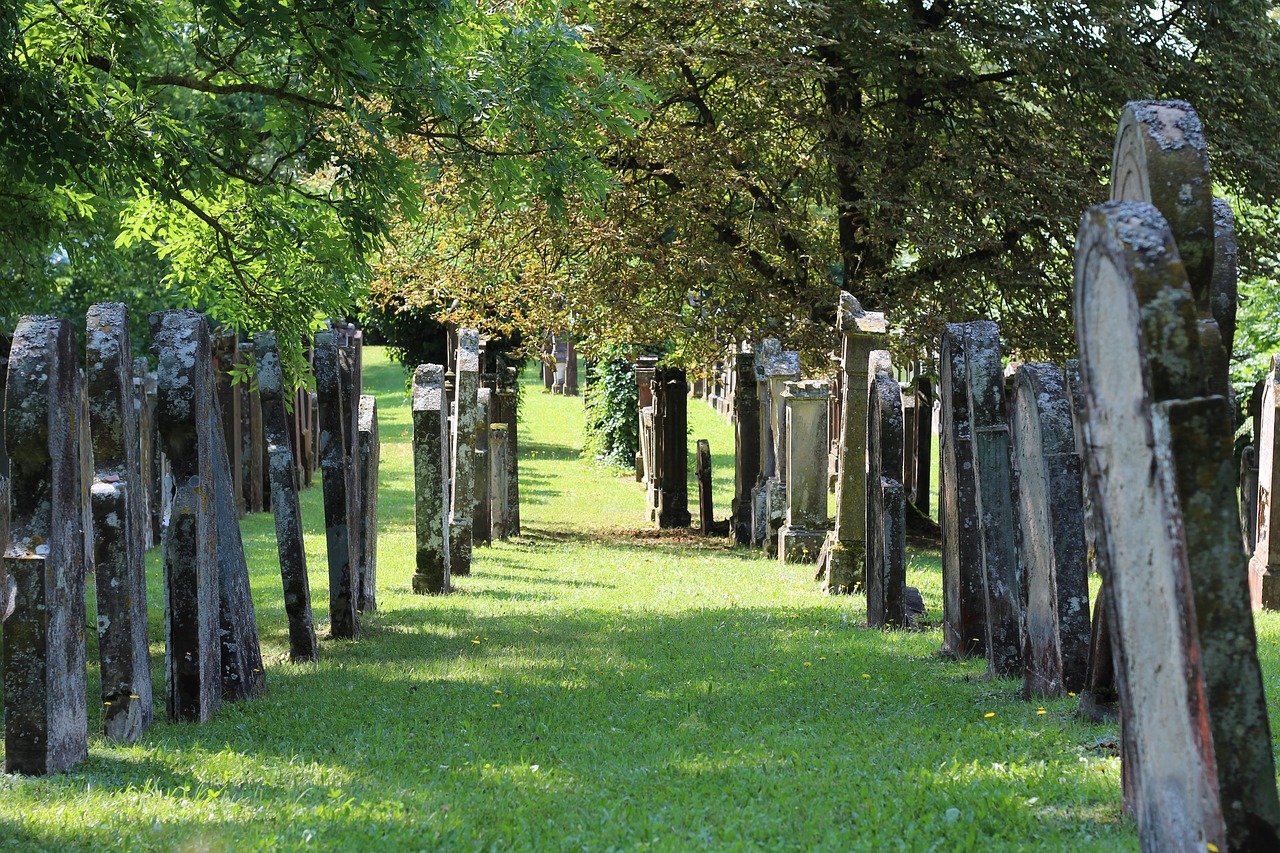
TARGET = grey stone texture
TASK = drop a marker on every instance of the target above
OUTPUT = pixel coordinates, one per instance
(284, 501)
(466, 417)
(480, 514)
(746, 468)
(186, 406)
(120, 525)
(339, 522)
(702, 472)
(1199, 766)
(368, 451)
(45, 717)
(499, 491)
(431, 482)
(886, 520)
(801, 537)
(1264, 565)
(1050, 515)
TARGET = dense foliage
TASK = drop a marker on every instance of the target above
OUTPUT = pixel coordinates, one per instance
(612, 430)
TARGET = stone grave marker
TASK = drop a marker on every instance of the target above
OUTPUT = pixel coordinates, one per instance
(805, 529)
(186, 403)
(886, 523)
(7, 585)
(768, 348)
(1264, 566)
(340, 527)
(480, 515)
(46, 725)
(1050, 516)
(284, 500)
(671, 450)
(702, 471)
(1199, 767)
(369, 450)
(119, 525)
(431, 485)
(350, 384)
(499, 492)
(747, 440)
(466, 417)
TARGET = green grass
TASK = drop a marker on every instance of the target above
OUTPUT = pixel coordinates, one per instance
(592, 685)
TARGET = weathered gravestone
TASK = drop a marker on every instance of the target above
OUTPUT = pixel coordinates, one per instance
(284, 500)
(780, 367)
(671, 449)
(466, 417)
(702, 472)
(767, 466)
(886, 523)
(144, 416)
(480, 514)
(185, 407)
(746, 468)
(119, 525)
(860, 333)
(801, 537)
(505, 413)
(1050, 514)
(1264, 566)
(7, 586)
(644, 367)
(340, 525)
(499, 492)
(350, 382)
(1198, 761)
(46, 725)
(226, 353)
(431, 484)
(1249, 487)
(369, 448)
(964, 604)
(257, 483)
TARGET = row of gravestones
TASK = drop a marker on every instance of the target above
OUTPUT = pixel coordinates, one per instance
(211, 643)
(560, 366)
(662, 463)
(465, 461)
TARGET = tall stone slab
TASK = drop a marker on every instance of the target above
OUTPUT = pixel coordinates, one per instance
(144, 417)
(1224, 289)
(860, 333)
(993, 475)
(780, 367)
(767, 466)
(1199, 766)
(671, 450)
(801, 537)
(505, 399)
(430, 481)
(186, 406)
(1264, 566)
(284, 500)
(7, 584)
(921, 478)
(1055, 597)
(119, 525)
(257, 484)
(746, 469)
(228, 363)
(339, 525)
(369, 449)
(349, 373)
(964, 626)
(886, 523)
(702, 472)
(480, 515)
(499, 469)
(644, 368)
(466, 417)
(46, 726)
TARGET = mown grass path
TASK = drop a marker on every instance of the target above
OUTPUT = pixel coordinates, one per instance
(592, 685)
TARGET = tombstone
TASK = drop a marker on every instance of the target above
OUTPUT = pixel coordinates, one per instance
(254, 446)
(767, 467)
(186, 405)
(340, 527)
(860, 332)
(1050, 518)
(746, 468)
(142, 415)
(671, 449)
(119, 525)
(886, 522)
(368, 450)
(800, 539)
(921, 478)
(7, 583)
(993, 477)
(505, 413)
(349, 385)
(284, 500)
(227, 355)
(499, 469)
(85, 444)
(1198, 762)
(571, 369)
(46, 725)
(644, 368)
(1249, 484)
(964, 628)
(431, 486)
(1224, 293)
(480, 514)
(466, 417)
(1264, 566)
(702, 471)
(780, 367)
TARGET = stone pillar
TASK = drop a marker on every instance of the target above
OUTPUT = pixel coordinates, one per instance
(800, 539)
(860, 332)
(349, 386)
(886, 524)
(1199, 767)
(505, 398)
(648, 462)
(227, 355)
(186, 406)
(671, 428)
(644, 368)
(1264, 566)
(368, 450)
(142, 415)
(702, 470)
(118, 525)
(571, 369)
(258, 488)
(46, 726)
(1050, 515)
(499, 503)
(431, 486)
(766, 467)
(284, 500)
(780, 367)
(964, 606)
(158, 463)
(922, 477)
(336, 479)
(465, 419)
(480, 514)
(746, 467)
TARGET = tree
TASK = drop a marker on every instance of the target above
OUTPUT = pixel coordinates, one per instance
(253, 143)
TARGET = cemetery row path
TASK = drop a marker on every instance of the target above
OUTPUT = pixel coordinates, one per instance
(592, 685)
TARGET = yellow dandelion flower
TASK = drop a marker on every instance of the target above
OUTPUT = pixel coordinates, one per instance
(988, 715)
(821, 658)
(134, 696)
(1040, 712)
(807, 663)
(499, 692)
(866, 675)
(475, 642)
(573, 669)
(1071, 694)
(496, 705)
(1211, 847)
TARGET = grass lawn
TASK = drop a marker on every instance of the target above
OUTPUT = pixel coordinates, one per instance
(592, 685)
